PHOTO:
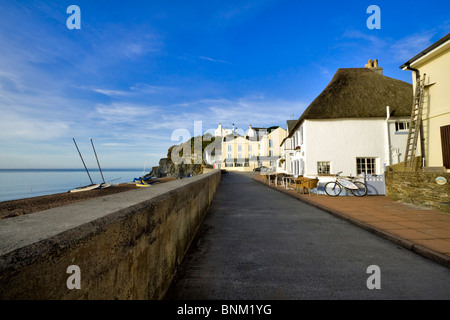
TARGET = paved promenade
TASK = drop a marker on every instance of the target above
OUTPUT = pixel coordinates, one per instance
(422, 230)
(258, 243)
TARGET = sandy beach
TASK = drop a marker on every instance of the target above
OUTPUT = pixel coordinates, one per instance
(14, 208)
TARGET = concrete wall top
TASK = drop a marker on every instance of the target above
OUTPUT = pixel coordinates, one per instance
(80, 218)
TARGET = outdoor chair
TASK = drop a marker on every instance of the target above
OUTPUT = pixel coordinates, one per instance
(309, 184)
(264, 177)
(298, 183)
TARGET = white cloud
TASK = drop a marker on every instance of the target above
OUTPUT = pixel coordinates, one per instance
(255, 110)
(373, 40)
(113, 93)
(137, 90)
(408, 47)
(213, 60)
(124, 113)
(14, 125)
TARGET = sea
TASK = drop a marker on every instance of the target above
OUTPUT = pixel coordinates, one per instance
(27, 183)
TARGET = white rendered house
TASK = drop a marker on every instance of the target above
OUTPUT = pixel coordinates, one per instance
(358, 125)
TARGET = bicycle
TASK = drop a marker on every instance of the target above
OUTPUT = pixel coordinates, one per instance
(334, 188)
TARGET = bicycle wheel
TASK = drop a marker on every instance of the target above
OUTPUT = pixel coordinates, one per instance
(333, 189)
(362, 189)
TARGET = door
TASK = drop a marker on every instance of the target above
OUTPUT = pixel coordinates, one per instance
(445, 141)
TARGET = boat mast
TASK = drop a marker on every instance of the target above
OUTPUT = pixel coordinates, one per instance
(83, 161)
(97, 160)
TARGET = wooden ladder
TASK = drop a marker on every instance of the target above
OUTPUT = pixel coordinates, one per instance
(414, 126)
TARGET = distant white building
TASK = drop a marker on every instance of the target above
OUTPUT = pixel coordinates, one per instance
(256, 134)
(222, 132)
(238, 150)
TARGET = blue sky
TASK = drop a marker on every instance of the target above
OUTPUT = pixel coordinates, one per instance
(137, 71)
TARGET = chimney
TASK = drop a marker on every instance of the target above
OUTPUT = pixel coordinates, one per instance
(233, 127)
(373, 65)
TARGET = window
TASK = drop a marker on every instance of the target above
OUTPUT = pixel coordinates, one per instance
(301, 135)
(229, 156)
(229, 148)
(270, 153)
(365, 165)
(240, 148)
(250, 148)
(323, 167)
(270, 143)
(239, 155)
(402, 126)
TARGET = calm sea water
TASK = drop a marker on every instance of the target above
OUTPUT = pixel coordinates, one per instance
(26, 183)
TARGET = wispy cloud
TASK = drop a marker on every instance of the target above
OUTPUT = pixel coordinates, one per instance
(123, 113)
(137, 90)
(213, 60)
(358, 35)
(113, 93)
(406, 48)
(398, 50)
(255, 110)
(15, 125)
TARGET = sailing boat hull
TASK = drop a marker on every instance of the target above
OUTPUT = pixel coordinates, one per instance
(86, 188)
(142, 184)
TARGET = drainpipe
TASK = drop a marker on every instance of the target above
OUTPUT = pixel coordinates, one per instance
(422, 138)
(388, 138)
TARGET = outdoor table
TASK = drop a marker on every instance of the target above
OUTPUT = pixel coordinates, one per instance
(279, 175)
(270, 176)
(287, 181)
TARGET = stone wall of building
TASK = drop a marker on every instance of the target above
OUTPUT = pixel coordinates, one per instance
(419, 188)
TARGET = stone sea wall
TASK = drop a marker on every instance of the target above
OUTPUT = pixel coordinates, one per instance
(123, 246)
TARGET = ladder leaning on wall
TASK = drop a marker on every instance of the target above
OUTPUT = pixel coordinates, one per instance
(414, 126)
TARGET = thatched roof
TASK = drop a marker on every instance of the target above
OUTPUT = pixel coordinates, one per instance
(360, 93)
(290, 124)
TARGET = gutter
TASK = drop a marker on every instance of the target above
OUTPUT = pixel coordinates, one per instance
(388, 138)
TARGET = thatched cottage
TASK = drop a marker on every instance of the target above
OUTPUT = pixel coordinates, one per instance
(358, 124)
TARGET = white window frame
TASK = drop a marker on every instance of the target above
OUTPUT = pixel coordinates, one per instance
(405, 126)
(321, 164)
(362, 167)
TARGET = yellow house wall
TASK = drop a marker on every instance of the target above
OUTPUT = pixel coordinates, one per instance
(436, 112)
(259, 148)
(245, 153)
